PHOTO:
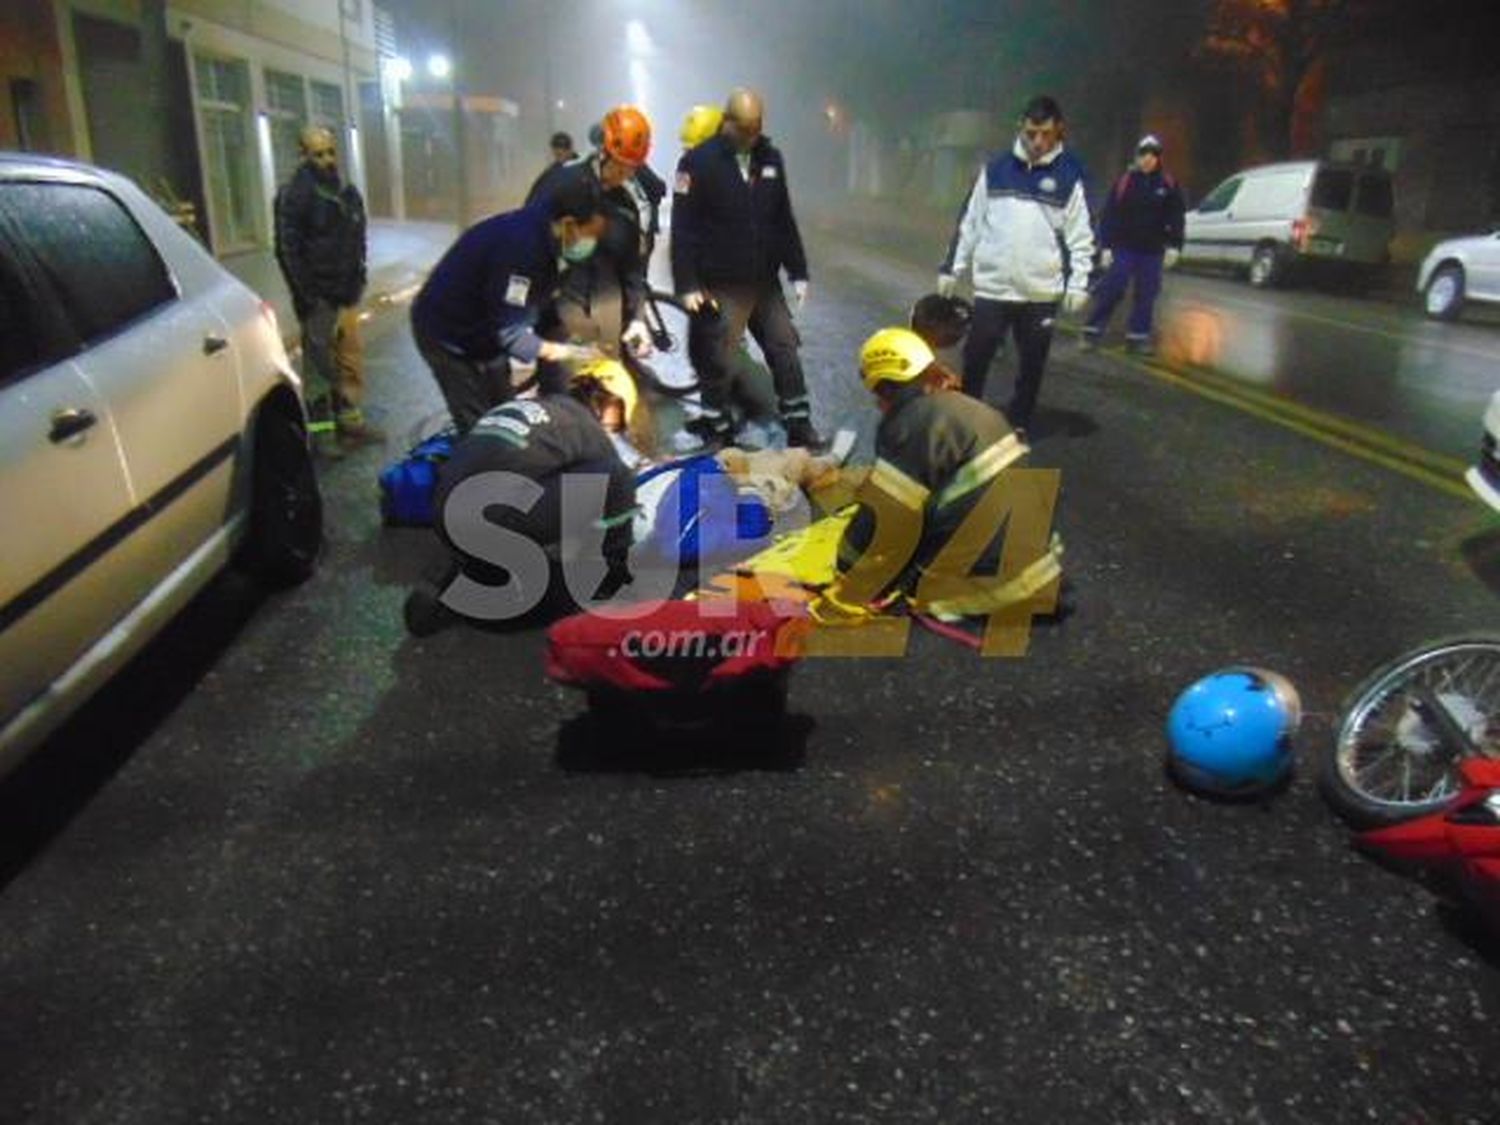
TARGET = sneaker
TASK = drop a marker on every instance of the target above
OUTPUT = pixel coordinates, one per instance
(712, 434)
(1140, 347)
(800, 434)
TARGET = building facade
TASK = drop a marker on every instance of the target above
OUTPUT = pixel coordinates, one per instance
(200, 101)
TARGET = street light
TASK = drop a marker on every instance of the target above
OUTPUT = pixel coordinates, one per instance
(439, 66)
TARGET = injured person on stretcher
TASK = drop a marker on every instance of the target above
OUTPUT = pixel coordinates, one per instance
(540, 515)
(538, 510)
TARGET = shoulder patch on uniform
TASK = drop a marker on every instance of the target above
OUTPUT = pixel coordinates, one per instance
(684, 183)
(517, 289)
(534, 412)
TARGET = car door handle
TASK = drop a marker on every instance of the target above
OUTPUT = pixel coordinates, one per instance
(213, 344)
(70, 423)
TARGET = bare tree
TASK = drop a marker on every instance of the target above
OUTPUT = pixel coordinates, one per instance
(1281, 44)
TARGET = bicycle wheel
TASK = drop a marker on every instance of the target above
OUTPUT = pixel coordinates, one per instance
(1407, 726)
(669, 370)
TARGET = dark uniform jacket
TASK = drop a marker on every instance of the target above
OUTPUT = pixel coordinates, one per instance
(727, 230)
(1142, 213)
(937, 455)
(540, 438)
(624, 243)
(320, 240)
(488, 293)
(653, 189)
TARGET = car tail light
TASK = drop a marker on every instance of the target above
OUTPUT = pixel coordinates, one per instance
(1303, 231)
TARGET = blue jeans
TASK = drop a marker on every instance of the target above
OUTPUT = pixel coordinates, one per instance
(1144, 270)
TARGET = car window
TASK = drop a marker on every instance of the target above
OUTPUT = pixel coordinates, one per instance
(1220, 197)
(24, 343)
(1333, 189)
(1375, 197)
(1271, 195)
(101, 264)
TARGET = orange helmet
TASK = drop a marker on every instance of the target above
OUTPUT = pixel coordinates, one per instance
(627, 135)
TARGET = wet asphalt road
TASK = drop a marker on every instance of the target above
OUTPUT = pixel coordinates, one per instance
(1380, 364)
(296, 866)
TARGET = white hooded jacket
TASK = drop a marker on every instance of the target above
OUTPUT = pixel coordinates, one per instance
(1019, 216)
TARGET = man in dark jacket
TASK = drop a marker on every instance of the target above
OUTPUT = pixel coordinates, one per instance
(538, 469)
(608, 291)
(561, 147)
(490, 300)
(1140, 231)
(733, 232)
(320, 245)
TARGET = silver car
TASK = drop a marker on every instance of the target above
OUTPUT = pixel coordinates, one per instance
(1460, 270)
(151, 430)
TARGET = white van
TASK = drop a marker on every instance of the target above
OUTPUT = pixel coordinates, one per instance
(1276, 219)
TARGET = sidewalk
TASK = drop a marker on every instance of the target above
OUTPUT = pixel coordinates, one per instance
(400, 254)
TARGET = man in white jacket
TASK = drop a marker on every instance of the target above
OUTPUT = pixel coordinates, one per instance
(1025, 241)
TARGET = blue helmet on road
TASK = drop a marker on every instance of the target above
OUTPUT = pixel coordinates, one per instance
(1230, 734)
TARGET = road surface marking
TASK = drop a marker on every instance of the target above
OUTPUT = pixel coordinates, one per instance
(1399, 462)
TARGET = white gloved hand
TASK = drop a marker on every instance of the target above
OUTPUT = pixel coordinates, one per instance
(1106, 258)
(947, 285)
(799, 290)
(1074, 300)
(637, 337)
(1169, 259)
(695, 300)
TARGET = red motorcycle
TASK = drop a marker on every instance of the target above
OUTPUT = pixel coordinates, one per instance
(1458, 849)
(1416, 762)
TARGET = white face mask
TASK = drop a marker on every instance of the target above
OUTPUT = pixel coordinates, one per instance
(581, 250)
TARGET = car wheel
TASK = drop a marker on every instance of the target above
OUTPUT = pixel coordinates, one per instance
(286, 508)
(1444, 297)
(1265, 267)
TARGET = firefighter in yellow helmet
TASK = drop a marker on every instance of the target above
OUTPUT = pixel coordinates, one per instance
(701, 123)
(938, 454)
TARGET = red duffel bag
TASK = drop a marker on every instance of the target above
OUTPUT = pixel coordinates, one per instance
(683, 664)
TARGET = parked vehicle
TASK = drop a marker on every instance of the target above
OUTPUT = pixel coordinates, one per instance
(1484, 476)
(1457, 271)
(1279, 219)
(151, 429)
(1404, 730)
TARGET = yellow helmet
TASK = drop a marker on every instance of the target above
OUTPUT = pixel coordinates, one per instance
(616, 380)
(893, 355)
(701, 123)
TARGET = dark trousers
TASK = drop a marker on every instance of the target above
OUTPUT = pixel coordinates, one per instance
(470, 388)
(1128, 268)
(1031, 323)
(763, 310)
